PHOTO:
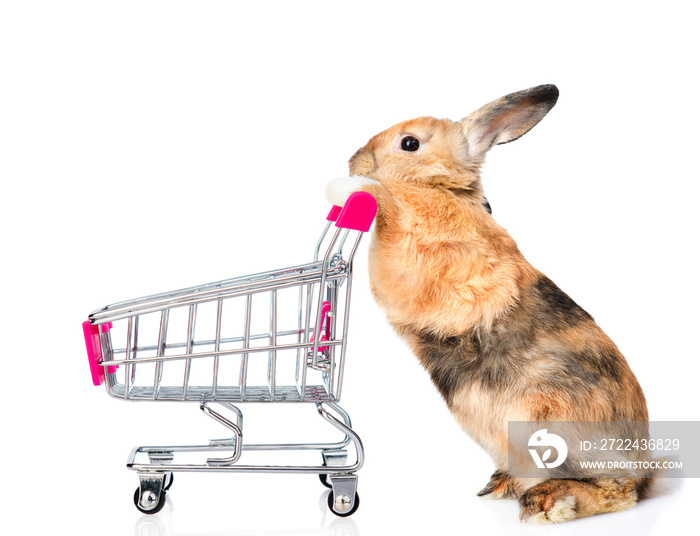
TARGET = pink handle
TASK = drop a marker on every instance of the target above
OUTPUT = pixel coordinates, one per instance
(93, 345)
(325, 309)
(357, 213)
(333, 214)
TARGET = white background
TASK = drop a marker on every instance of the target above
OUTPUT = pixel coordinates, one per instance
(147, 146)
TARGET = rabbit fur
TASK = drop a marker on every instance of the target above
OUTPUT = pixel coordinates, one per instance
(499, 339)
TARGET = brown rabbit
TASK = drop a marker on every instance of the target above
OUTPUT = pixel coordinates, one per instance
(500, 340)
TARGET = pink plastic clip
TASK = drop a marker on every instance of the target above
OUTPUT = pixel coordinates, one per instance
(325, 309)
(358, 212)
(93, 345)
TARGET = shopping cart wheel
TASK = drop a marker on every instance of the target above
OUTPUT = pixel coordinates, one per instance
(332, 458)
(323, 477)
(337, 506)
(148, 503)
(169, 477)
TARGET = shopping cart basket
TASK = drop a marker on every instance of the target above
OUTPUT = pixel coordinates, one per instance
(277, 336)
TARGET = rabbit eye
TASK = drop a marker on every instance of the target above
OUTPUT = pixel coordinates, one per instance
(409, 143)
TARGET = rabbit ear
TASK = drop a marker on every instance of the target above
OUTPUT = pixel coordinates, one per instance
(507, 118)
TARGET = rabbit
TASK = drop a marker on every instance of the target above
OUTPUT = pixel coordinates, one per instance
(500, 341)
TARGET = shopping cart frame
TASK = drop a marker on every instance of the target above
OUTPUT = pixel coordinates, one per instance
(320, 349)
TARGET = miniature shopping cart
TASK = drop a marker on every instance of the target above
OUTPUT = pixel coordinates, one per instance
(277, 336)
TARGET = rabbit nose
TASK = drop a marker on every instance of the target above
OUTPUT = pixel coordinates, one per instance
(352, 158)
(361, 163)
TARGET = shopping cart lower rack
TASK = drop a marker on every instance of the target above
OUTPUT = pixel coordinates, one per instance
(277, 336)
